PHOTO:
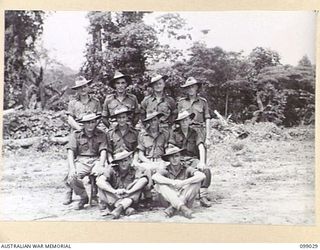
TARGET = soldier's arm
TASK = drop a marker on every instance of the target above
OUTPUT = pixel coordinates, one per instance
(202, 153)
(73, 123)
(160, 179)
(196, 178)
(104, 184)
(142, 157)
(105, 113)
(141, 183)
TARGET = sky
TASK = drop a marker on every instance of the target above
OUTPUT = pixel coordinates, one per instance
(291, 34)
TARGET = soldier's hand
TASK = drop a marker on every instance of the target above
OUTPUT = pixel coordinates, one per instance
(71, 175)
(120, 191)
(201, 166)
(178, 184)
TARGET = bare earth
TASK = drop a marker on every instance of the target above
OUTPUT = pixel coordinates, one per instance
(254, 182)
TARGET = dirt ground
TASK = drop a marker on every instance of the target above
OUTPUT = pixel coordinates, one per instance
(267, 181)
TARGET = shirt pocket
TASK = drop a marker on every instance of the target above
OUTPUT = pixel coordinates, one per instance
(83, 145)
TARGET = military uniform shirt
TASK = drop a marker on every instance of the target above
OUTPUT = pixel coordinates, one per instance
(182, 174)
(82, 145)
(117, 181)
(199, 107)
(112, 103)
(127, 141)
(189, 143)
(165, 105)
(153, 148)
(77, 109)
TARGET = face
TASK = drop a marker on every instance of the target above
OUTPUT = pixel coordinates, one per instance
(90, 126)
(84, 90)
(185, 122)
(159, 85)
(154, 122)
(192, 90)
(122, 119)
(120, 85)
(175, 159)
(124, 164)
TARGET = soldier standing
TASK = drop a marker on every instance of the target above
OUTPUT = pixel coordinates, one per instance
(83, 103)
(120, 98)
(193, 103)
(160, 102)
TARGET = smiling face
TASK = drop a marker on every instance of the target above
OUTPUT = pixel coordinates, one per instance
(154, 122)
(184, 123)
(122, 119)
(192, 89)
(124, 164)
(120, 85)
(84, 90)
(175, 159)
(158, 86)
(90, 126)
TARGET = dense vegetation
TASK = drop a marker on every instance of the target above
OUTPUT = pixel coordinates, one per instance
(256, 86)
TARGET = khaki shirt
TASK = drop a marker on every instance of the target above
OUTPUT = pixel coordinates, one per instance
(111, 103)
(153, 148)
(183, 173)
(189, 143)
(82, 145)
(199, 107)
(165, 105)
(127, 141)
(117, 181)
(77, 109)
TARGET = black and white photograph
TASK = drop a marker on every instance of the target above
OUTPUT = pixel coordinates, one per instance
(148, 116)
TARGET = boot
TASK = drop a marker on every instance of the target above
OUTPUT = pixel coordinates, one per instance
(115, 214)
(204, 202)
(186, 212)
(130, 211)
(67, 198)
(82, 202)
(170, 211)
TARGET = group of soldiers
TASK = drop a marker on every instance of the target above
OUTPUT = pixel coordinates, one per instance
(127, 154)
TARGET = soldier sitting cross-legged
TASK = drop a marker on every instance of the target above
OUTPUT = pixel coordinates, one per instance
(121, 185)
(177, 183)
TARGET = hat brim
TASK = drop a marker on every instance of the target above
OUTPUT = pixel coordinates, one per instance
(81, 85)
(189, 84)
(165, 77)
(122, 157)
(126, 77)
(165, 156)
(149, 118)
(91, 119)
(124, 112)
(192, 115)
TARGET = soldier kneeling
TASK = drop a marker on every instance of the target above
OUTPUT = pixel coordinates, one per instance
(121, 185)
(177, 183)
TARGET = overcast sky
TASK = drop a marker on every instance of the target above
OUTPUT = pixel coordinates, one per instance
(291, 34)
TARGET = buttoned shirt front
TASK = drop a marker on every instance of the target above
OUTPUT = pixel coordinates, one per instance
(118, 180)
(153, 147)
(82, 145)
(189, 143)
(112, 103)
(182, 173)
(77, 109)
(128, 140)
(165, 105)
(199, 107)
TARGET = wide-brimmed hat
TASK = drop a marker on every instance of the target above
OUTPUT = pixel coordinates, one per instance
(150, 116)
(121, 155)
(190, 81)
(171, 150)
(157, 78)
(184, 114)
(118, 75)
(80, 81)
(119, 111)
(89, 117)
